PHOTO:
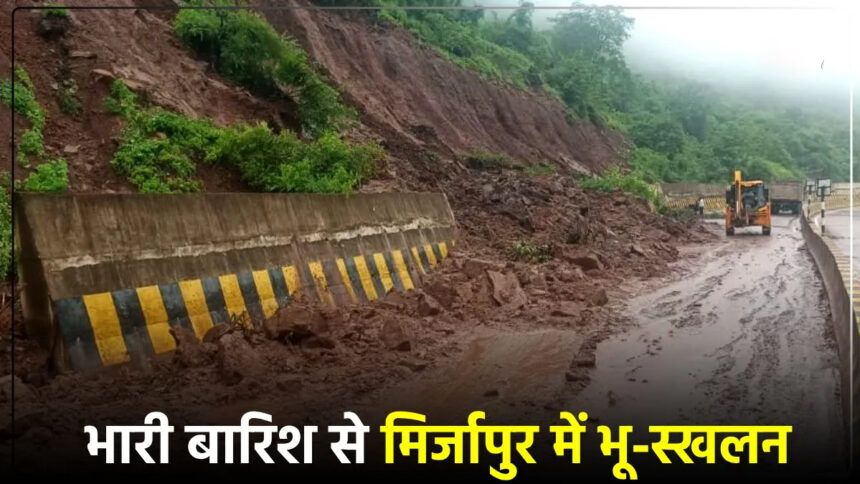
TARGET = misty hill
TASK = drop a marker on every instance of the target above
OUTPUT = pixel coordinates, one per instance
(682, 129)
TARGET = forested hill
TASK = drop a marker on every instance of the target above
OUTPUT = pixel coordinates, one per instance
(681, 129)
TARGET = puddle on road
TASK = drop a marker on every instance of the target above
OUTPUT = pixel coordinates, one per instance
(651, 374)
(501, 373)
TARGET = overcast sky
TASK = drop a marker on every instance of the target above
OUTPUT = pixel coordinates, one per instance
(773, 52)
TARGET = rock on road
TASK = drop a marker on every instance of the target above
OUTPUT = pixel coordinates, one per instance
(743, 338)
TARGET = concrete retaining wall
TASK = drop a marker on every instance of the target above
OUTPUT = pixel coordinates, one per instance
(834, 268)
(840, 188)
(685, 195)
(105, 276)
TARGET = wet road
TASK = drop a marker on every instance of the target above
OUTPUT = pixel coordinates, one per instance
(743, 338)
(837, 226)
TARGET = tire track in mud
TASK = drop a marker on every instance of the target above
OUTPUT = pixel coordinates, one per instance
(743, 338)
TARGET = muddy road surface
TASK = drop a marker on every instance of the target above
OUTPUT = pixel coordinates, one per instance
(734, 331)
(742, 336)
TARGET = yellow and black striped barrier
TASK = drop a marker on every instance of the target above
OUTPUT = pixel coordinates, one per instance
(133, 324)
(712, 204)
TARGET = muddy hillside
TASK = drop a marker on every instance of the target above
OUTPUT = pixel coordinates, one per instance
(424, 109)
(89, 51)
(410, 93)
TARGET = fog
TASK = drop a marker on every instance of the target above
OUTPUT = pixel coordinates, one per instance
(795, 56)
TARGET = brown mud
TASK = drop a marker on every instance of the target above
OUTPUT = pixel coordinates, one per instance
(743, 337)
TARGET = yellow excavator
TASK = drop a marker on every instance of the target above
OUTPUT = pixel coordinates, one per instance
(747, 204)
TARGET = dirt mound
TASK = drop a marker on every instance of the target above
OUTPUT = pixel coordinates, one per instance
(411, 94)
(507, 214)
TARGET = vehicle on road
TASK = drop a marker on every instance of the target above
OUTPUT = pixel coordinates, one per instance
(747, 205)
(786, 196)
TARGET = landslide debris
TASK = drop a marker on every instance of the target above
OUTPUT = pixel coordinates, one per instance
(534, 251)
(351, 352)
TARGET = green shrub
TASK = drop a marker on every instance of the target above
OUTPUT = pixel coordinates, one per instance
(159, 150)
(68, 98)
(539, 169)
(530, 252)
(121, 100)
(614, 179)
(5, 225)
(157, 146)
(249, 51)
(27, 106)
(56, 12)
(155, 166)
(48, 177)
(31, 143)
(283, 163)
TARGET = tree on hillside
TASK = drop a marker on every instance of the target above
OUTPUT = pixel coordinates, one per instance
(600, 33)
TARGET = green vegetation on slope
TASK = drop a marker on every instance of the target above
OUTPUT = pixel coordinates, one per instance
(55, 12)
(453, 33)
(5, 225)
(614, 179)
(51, 175)
(682, 131)
(27, 106)
(159, 150)
(248, 51)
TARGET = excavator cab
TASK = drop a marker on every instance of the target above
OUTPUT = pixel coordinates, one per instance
(747, 204)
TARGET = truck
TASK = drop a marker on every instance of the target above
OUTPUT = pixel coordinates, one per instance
(747, 205)
(786, 196)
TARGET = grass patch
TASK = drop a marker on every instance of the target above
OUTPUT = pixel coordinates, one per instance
(26, 105)
(159, 150)
(614, 179)
(530, 252)
(247, 50)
